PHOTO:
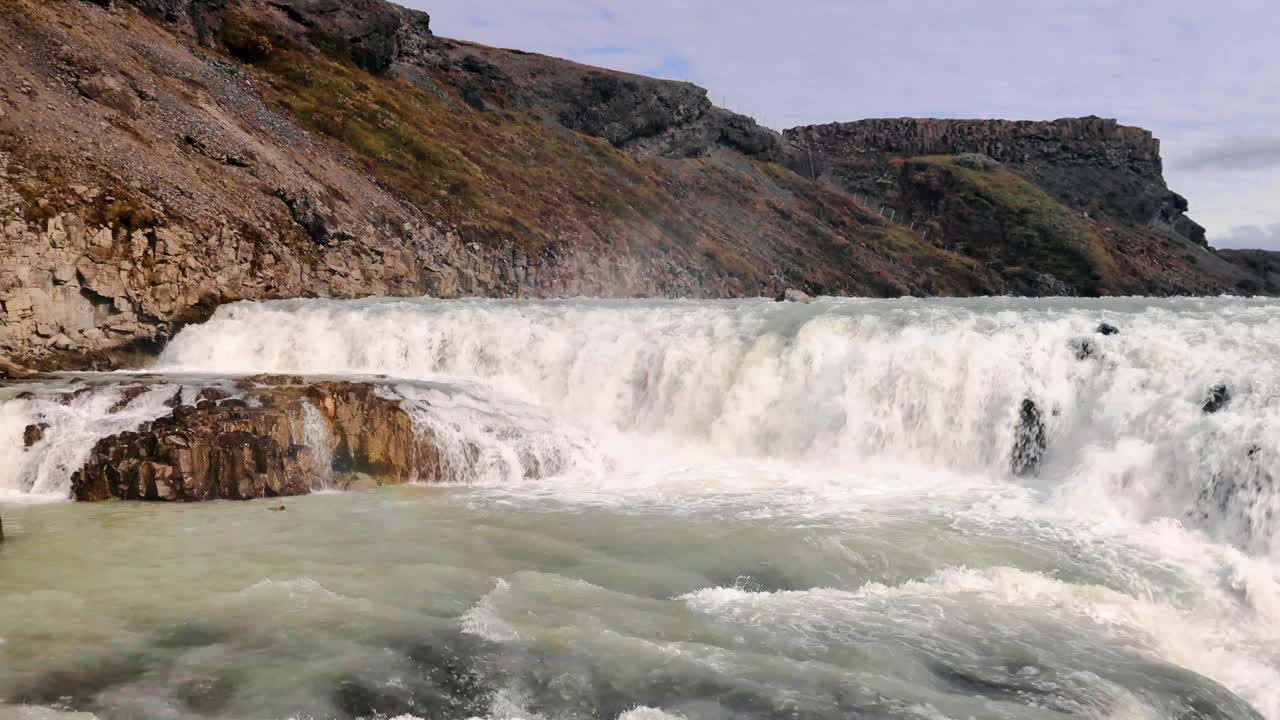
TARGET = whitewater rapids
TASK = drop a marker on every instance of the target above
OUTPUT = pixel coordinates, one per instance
(812, 507)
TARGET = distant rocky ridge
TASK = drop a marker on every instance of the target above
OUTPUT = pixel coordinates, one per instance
(1092, 163)
(161, 157)
(1103, 178)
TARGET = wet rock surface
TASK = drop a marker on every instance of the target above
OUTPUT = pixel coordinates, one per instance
(1083, 348)
(259, 446)
(1218, 397)
(1030, 442)
(33, 434)
(793, 295)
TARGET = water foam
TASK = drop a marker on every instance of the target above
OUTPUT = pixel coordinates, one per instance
(845, 383)
(73, 418)
(485, 440)
(315, 435)
(1212, 636)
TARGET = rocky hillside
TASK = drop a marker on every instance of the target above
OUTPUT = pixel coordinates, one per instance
(161, 157)
(1074, 206)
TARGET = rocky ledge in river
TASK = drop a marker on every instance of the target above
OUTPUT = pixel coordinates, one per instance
(281, 437)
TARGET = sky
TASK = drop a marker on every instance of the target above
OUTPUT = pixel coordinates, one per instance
(1203, 76)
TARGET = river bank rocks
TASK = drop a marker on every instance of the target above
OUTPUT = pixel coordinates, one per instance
(281, 437)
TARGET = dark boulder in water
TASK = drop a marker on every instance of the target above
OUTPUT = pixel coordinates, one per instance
(1083, 348)
(1105, 329)
(212, 393)
(1029, 441)
(33, 434)
(1219, 397)
(127, 396)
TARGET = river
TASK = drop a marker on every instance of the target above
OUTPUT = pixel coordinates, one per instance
(688, 509)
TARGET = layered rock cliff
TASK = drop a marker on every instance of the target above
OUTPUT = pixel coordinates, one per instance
(1092, 163)
(1015, 194)
(161, 157)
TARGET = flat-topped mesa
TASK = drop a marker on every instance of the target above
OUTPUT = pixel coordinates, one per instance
(1087, 140)
(1093, 164)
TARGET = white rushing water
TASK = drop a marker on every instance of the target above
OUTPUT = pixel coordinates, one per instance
(930, 385)
(72, 417)
(1146, 532)
(315, 435)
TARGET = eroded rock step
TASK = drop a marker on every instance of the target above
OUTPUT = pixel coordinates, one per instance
(280, 436)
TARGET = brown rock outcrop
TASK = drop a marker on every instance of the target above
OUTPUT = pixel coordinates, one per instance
(240, 449)
(33, 434)
(1068, 140)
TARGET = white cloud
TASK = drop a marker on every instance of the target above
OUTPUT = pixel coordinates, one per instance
(1197, 74)
(1251, 236)
(1238, 154)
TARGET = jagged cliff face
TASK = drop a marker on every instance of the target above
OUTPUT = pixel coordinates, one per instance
(161, 157)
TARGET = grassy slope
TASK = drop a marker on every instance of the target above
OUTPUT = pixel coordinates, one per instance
(1006, 219)
(512, 176)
